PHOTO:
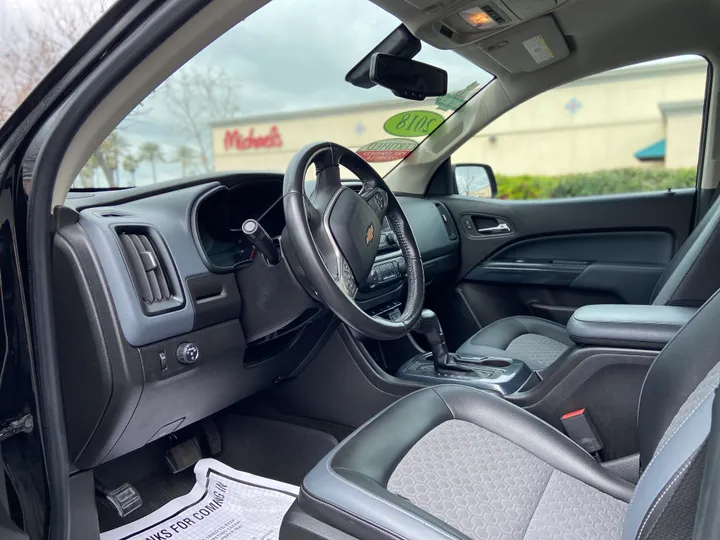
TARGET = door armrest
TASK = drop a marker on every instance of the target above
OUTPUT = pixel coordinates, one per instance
(619, 325)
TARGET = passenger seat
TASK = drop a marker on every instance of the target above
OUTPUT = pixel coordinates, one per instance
(689, 280)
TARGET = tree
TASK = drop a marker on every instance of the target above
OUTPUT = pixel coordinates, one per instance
(34, 35)
(196, 97)
(186, 157)
(152, 153)
(108, 157)
(87, 174)
(130, 164)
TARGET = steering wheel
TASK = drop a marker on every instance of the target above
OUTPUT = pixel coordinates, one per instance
(335, 234)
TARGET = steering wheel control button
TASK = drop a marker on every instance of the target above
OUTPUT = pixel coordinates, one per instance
(378, 202)
(348, 279)
(187, 353)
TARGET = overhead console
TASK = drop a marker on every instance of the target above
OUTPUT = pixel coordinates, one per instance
(520, 35)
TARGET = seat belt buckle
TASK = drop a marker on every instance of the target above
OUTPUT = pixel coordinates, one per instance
(580, 428)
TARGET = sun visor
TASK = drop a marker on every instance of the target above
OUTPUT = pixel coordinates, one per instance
(527, 47)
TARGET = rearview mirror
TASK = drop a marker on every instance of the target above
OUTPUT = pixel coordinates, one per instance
(407, 78)
(475, 180)
(400, 42)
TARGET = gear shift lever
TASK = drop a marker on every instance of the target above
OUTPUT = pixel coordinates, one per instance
(429, 325)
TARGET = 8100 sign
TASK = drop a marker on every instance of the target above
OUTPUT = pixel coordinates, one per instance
(413, 123)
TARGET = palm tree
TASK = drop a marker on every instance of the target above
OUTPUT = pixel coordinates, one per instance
(108, 157)
(87, 174)
(131, 164)
(186, 157)
(151, 152)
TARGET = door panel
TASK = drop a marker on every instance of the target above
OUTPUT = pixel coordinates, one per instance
(553, 256)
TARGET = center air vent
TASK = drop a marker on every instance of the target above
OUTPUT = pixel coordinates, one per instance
(152, 269)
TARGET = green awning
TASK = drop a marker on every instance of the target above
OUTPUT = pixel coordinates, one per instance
(654, 152)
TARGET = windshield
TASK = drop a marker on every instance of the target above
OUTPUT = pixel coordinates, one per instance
(270, 85)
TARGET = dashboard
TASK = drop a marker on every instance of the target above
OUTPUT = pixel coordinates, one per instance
(146, 274)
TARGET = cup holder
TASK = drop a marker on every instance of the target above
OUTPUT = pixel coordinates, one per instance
(496, 362)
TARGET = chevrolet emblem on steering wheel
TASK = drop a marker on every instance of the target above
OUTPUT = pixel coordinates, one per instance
(369, 234)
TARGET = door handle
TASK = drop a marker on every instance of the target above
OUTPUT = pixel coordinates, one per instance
(497, 229)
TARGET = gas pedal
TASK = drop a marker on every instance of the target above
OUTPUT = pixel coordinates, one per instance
(212, 436)
(183, 455)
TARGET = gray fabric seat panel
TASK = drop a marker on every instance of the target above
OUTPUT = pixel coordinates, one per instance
(536, 350)
(488, 487)
(571, 510)
(456, 474)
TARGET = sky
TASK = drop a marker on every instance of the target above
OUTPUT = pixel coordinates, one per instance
(290, 55)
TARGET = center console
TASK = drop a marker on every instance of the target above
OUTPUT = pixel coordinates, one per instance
(501, 375)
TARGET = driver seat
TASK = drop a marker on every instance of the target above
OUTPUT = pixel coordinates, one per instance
(451, 462)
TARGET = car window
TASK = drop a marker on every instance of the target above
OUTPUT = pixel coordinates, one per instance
(270, 85)
(628, 130)
(34, 36)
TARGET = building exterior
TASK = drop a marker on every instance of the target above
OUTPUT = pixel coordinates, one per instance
(646, 115)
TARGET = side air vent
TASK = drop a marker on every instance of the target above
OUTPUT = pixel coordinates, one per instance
(447, 221)
(152, 269)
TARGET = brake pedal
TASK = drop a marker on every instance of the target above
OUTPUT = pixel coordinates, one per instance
(183, 455)
(212, 436)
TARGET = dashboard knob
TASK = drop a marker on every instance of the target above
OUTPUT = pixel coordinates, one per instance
(391, 239)
(187, 353)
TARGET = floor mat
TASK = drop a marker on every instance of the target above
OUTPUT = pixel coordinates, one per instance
(224, 504)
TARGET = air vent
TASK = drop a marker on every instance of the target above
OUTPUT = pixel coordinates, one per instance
(113, 214)
(447, 221)
(152, 269)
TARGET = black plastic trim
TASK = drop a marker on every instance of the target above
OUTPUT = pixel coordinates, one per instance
(215, 297)
(526, 273)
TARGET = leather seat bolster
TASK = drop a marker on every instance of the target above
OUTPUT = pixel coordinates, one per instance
(350, 483)
(375, 449)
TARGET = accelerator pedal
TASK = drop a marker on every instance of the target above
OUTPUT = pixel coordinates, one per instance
(212, 436)
(183, 455)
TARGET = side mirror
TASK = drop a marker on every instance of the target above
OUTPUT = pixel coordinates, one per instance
(475, 180)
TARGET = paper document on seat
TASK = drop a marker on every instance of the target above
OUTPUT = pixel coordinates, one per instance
(224, 504)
